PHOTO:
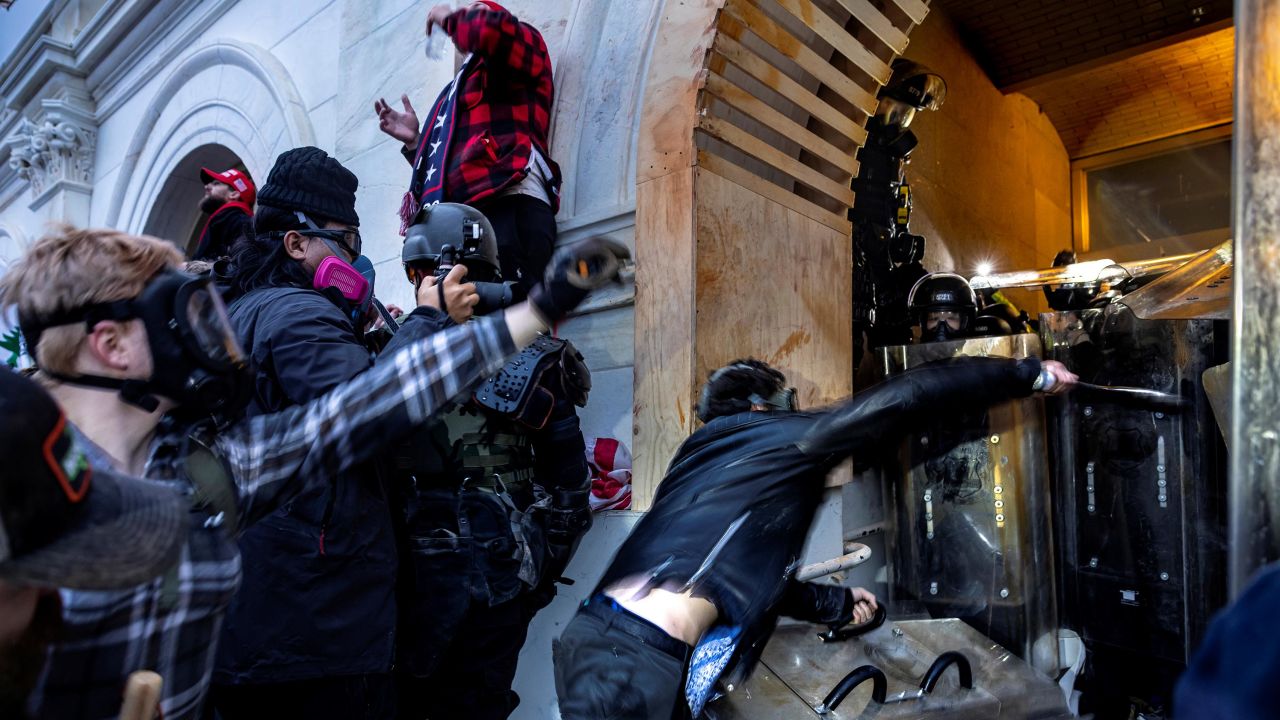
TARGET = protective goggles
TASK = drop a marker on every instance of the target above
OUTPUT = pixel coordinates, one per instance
(349, 240)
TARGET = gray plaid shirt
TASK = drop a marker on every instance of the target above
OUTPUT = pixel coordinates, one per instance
(170, 625)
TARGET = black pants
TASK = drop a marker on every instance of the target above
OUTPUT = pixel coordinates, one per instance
(613, 665)
(354, 697)
(526, 233)
(472, 677)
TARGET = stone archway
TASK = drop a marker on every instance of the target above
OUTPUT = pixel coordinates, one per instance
(13, 243)
(228, 94)
(176, 214)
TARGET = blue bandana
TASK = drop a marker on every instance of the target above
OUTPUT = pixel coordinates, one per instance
(710, 658)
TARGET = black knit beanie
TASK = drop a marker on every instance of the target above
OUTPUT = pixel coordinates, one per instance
(307, 179)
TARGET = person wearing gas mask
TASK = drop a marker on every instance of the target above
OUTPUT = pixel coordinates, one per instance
(313, 620)
(139, 355)
(485, 140)
(944, 306)
(228, 200)
(493, 498)
(694, 592)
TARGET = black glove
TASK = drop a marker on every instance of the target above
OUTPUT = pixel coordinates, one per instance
(574, 271)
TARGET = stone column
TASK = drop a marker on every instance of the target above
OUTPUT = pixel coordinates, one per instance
(54, 153)
(1254, 500)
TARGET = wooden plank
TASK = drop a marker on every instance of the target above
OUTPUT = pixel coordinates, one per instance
(837, 37)
(739, 16)
(664, 328)
(879, 25)
(726, 48)
(809, 266)
(726, 131)
(783, 125)
(764, 188)
(914, 9)
(682, 41)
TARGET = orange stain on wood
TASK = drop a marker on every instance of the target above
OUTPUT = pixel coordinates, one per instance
(794, 342)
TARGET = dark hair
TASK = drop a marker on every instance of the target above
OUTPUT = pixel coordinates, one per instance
(729, 389)
(261, 261)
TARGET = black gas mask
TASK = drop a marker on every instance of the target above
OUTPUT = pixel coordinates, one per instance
(196, 360)
(946, 301)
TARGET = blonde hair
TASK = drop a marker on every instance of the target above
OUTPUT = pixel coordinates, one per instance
(72, 267)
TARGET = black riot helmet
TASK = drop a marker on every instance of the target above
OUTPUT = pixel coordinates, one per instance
(196, 360)
(448, 234)
(911, 87)
(944, 305)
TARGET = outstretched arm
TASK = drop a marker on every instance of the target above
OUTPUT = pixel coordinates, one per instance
(936, 389)
(273, 457)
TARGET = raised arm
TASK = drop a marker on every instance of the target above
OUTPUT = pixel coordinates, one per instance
(500, 38)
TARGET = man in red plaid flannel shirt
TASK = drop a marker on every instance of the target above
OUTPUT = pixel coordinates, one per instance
(484, 142)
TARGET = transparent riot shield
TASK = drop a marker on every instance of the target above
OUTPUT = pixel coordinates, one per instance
(970, 499)
(1139, 495)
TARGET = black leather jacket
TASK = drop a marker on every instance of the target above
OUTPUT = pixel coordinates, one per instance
(730, 517)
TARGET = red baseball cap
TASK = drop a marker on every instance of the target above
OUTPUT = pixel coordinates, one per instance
(235, 179)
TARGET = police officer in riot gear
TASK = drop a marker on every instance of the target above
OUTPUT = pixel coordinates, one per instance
(887, 255)
(492, 499)
(944, 306)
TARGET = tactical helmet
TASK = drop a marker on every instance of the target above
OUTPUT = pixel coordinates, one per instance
(942, 292)
(916, 85)
(449, 233)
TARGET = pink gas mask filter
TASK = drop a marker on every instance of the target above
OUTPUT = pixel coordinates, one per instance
(338, 273)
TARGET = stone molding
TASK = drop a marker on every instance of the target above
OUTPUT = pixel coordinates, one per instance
(56, 149)
(183, 114)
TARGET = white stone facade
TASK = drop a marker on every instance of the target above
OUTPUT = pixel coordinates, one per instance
(109, 107)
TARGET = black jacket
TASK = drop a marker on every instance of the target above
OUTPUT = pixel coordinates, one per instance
(224, 228)
(730, 517)
(318, 596)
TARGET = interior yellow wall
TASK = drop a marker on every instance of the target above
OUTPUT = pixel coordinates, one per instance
(991, 176)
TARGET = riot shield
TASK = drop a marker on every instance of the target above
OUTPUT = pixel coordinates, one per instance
(971, 505)
(1139, 496)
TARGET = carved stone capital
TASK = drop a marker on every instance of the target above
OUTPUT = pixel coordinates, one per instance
(56, 148)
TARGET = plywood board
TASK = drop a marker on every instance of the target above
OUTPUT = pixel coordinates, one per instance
(914, 9)
(729, 171)
(742, 14)
(664, 339)
(685, 35)
(741, 139)
(879, 25)
(772, 284)
(788, 128)
(837, 37)
(728, 49)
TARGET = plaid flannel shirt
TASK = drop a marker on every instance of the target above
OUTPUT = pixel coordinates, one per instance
(170, 625)
(504, 107)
